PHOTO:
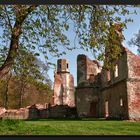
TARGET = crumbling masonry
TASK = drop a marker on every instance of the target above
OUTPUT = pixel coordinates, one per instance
(112, 94)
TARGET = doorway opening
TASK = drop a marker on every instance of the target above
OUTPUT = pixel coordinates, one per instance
(93, 109)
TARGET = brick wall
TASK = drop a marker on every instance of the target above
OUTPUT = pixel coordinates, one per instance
(133, 85)
(116, 96)
(84, 98)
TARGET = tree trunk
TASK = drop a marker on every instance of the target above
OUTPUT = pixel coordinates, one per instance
(21, 97)
(6, 67)
(21, 93)
(5, 104)
(21, 15)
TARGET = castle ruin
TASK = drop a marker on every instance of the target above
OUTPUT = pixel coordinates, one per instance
(100, 93)
(111, 93)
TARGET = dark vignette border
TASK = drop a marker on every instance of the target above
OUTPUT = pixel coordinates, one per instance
(43, 2)
(125, 2)
(70, 137)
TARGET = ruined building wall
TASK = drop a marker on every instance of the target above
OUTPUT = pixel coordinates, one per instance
(87, 101)
(87, 86)
(63, 85)
(133, 62)
(81, 70)
(133, 85)
(113, 101)
(111, 93)
(122, 72)
(87, 70)
(113, 97)
(133, 89)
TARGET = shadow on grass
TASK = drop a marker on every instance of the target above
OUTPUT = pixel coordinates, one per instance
(74, 119)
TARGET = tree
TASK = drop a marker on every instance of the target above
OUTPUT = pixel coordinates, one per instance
(4, 90)
(27, 70)
(42, 28)
(135, 41)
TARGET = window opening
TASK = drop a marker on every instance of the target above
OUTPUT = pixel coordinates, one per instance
(108, 75)
(106, 109)
(60, 66)
(121, 102)
(116, 72)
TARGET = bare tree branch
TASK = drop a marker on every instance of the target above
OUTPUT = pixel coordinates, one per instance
(8, 18)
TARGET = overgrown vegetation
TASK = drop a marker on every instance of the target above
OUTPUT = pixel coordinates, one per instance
(43, 29)
(69, 127)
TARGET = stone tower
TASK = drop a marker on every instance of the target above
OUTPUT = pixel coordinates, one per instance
(63, 85)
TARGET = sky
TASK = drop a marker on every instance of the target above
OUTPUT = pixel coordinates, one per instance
(71, 56)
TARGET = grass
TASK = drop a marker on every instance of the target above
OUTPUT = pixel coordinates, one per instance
(69, 127)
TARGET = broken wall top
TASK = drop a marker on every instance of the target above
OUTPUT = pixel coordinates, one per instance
(62, 66)
(87, 70)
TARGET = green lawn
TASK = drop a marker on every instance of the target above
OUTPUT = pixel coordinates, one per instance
(69, 127)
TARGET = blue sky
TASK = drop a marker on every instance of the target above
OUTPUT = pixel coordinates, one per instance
(71, 56)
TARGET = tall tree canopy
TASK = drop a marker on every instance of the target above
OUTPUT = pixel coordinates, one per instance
(43, 28)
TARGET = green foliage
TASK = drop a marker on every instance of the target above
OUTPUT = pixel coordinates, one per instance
(28, 67)
(44, 30)
(29, 83)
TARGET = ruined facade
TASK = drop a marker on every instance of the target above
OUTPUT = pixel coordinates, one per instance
(63, 85)
(99, 93)
(87, 86)
(109, 93)
(63, 104)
